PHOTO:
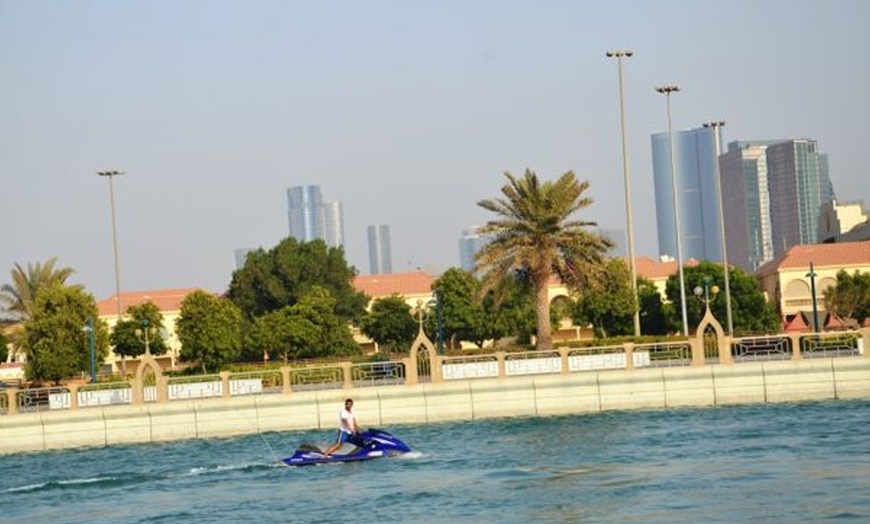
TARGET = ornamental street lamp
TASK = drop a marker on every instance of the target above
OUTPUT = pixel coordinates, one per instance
(145, 334)
(619, 55)
(716, 126)
(706, 290)
(437, 303)
(667, 91)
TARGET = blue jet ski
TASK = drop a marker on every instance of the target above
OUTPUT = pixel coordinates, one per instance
(367, 445)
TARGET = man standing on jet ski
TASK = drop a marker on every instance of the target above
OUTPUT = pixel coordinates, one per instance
(348, 429)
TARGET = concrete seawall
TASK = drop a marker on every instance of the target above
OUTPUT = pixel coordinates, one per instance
(538, 395)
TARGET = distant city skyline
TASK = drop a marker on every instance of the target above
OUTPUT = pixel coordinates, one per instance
(312, 218)
(380, 251)
(213, 113)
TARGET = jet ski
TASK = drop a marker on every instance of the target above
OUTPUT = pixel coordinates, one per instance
(368, 444)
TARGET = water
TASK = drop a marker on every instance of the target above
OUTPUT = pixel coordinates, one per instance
(789, 463)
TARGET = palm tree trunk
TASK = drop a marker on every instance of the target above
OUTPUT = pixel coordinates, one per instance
(542, 308)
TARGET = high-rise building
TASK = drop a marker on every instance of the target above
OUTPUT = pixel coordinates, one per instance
(695, 160)
(746, 203)
(310, 217)
(380, 255)
(470, 243)
(799, 184)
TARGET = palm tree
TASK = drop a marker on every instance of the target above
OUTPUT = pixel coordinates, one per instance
(536, 235)
(17, 297)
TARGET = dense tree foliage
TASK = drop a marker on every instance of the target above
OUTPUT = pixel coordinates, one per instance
(390, 323)
(209, 329)
(535, 232)
(128, 336)
(281, 276)
(751, 313)
(284, 334)
(608, 304)
(17, 298)
(54, 339)
(849, 299)
(652, 309)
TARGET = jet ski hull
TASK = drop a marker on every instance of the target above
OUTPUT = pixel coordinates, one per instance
(372, 444)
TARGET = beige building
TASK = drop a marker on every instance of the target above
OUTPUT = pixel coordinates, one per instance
(786, 279)
(168, 301)
(844, 222)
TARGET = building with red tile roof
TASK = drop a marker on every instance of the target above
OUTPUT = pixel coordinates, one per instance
(786, 279)
(168, 301)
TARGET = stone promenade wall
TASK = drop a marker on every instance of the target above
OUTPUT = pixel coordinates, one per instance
(454, 400)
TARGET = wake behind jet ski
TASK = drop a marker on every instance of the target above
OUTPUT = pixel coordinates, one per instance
(367, 445)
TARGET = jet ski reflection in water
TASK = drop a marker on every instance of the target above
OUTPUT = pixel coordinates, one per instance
(365, 445)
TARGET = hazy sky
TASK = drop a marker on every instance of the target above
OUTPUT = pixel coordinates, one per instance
(408, 112)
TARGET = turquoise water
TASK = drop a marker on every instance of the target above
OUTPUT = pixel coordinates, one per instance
(764, 463)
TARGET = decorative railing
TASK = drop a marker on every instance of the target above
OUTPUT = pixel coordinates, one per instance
(830, 344)
(377, 374)
(316, 378)
(472, 366)
(532, 363)
(667, 354)
(42, 399)
(256, 382)
(198, 386)
(753, 349)
(105, 394)
(500, 364)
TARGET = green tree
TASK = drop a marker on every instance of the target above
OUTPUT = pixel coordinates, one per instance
(608, 304)
(850, 297)
(209, 329)
(285, 332)
(334, 338)
(535, 233)
(390, 323)
(17, 298)
(54, 340)
(271, 280)
(461, 308)
(751, 313)
(652, 309)
(124, 336)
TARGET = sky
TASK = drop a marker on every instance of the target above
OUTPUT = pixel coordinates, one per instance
(409, 113)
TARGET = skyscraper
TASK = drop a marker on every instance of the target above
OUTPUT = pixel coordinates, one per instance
(310, 217)
(470, 243)
(380, 255)
(746, 203)
(799, 184)
(695, 159)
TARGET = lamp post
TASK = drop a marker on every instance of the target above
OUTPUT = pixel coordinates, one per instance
(111, 176)
(717, 126)
(92, 343)
(667, 91)
(144, 333)
(706, 290)
(812, 277)
(619, 55)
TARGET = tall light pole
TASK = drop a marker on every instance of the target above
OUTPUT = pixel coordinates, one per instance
(619, 55)
(111, 175)
(716, 127)
(667, 91)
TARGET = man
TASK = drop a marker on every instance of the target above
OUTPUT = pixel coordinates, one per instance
(347, 429)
